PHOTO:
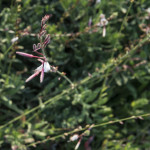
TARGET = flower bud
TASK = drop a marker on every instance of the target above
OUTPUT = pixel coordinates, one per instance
(25, 54)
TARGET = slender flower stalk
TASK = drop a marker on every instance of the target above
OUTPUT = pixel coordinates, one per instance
(45, 66)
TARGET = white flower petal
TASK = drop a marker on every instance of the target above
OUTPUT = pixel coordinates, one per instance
(14, 39)
(46, 67)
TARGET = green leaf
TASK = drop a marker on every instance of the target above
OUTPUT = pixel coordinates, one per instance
(139, 103)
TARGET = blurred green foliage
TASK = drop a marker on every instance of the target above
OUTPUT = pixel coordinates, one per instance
(106, 90)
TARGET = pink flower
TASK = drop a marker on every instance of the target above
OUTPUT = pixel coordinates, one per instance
(45, 67)
(74, 137)
(103, 22)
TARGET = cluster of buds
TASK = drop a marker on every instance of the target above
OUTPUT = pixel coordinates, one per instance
(45, 66)
(103, 22)
(43, 25)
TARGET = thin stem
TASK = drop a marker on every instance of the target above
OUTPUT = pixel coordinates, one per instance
(38, 53)
(8, 72)
(64, 76)
(93, 126)
(42, 47)
(71, 83)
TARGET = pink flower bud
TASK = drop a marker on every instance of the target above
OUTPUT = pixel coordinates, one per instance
(25, 54)
(36, 47)
(44, 19)
(42, 33)
(28, 55)
(47, 40)
(44, 27)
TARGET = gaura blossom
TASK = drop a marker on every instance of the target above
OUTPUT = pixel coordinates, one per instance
(45, 67)
(74, 137)
(103, 22)
(13, 40)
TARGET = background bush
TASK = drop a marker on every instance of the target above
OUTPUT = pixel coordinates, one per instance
(111, 74)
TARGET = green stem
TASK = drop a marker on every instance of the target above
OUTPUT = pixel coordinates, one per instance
(71, 83)
(64, 76)
(9, 68)
(94, 126)
(42, 48)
